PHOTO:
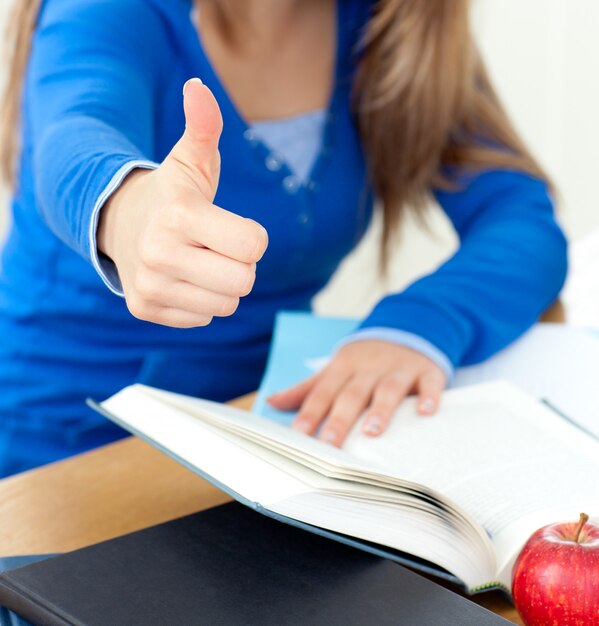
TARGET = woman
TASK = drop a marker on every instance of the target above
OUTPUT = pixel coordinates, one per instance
(119, 190)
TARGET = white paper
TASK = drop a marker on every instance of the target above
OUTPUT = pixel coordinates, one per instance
(553, 362)
(493, 450)
(581, 293)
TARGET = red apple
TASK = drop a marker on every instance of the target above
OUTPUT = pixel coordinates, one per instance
(555, 580)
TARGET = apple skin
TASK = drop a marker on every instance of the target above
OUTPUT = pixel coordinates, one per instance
(555, 579)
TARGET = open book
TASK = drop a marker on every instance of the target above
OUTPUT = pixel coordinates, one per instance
(458, 493)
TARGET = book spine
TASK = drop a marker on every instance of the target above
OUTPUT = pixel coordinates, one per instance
(28, 605)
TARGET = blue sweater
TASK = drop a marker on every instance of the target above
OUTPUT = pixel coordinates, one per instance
(103, 91)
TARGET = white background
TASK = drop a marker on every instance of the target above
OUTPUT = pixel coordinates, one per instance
(544, 58)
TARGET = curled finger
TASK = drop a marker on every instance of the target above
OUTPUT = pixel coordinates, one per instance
(292, 398)
(351, 400)
(387, 396)
(429, 387)
(319, 400)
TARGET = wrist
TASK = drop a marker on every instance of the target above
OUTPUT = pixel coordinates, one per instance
(111, 214)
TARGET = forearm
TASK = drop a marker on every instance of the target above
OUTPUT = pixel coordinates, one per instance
(74, 176)
(89, 107)
(508, 270)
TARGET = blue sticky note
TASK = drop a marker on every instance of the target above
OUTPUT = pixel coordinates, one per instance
(301, 344)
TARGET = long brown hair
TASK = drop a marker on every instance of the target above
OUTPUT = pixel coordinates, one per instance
(424, 102)
(426, 106)
(19, 33)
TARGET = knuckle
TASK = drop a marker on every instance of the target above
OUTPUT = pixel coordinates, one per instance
(176, 217)
(146, 288)
(311, 412)
(382, 408)
(203, 320)
(309, 417)
(389, 385)
(427, 381)
(182, 324)
(435, 376)
(173, 319)
(245, 282)
(255, 242)
(397, 380)
(318, 398)
(351, 396)
(339, 420)
(194, 168)
(151, 254)
(339, 367)
(139, 308)
(164, 318)
(228, 306)
(180, 319)
(316, 411)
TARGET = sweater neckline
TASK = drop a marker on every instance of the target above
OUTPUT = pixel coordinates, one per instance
(243, 128)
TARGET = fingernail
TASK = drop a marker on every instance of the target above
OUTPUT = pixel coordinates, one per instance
(303, 426)
(426, 406)
(373, 426)
(328, 436)
(192, 80)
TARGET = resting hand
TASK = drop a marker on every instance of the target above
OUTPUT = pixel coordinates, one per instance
(180, 258)
(371, 376)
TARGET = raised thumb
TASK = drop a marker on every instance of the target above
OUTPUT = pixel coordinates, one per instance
(197, 150)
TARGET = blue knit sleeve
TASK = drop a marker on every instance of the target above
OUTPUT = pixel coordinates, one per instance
(509, 268)
(89, 105)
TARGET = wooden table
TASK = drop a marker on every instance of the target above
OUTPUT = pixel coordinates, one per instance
(111, 491)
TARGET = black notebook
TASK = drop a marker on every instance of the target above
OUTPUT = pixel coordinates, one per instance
(229, 565)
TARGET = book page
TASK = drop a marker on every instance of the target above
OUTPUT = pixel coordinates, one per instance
(202, 446)
(406, 530)
(553, 362)
(494, 451)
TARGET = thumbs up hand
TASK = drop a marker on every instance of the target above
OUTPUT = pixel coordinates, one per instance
(181, 259)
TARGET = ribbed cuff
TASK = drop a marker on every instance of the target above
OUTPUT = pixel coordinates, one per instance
(103, 265)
